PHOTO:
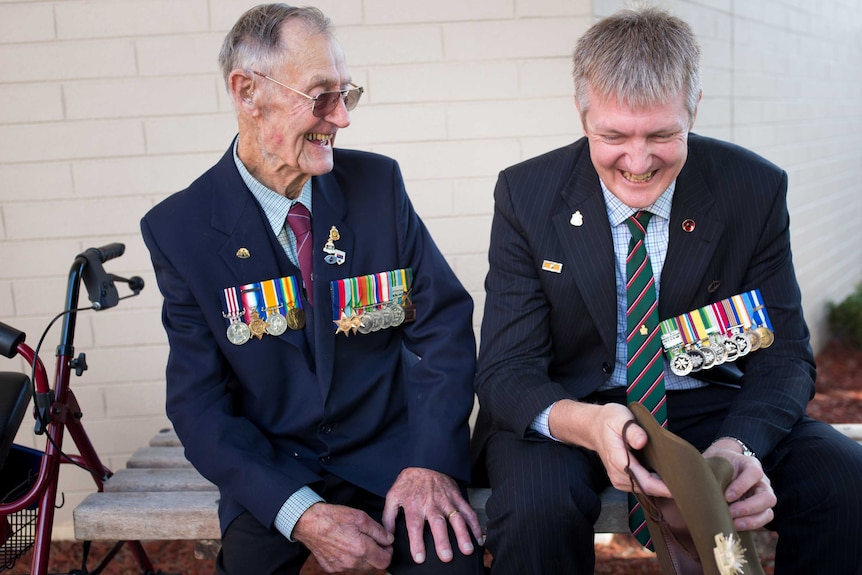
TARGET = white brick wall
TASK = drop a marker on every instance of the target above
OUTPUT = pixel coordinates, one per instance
(107, 107)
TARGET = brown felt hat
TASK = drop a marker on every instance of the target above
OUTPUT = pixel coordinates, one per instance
(692, 533)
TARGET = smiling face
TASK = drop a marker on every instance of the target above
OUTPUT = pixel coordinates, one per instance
(637, 152)
(282, 143)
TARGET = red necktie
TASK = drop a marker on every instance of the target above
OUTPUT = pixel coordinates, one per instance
(299, 220)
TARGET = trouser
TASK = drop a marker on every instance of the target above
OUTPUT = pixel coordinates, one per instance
(249, 547)
(546, 495)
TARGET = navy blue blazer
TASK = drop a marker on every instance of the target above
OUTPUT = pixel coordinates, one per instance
(551, 336)
(263, 419)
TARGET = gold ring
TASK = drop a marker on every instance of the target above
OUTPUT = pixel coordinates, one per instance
(454, 512)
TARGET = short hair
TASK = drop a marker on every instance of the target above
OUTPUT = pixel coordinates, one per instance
(255, 40)
(641, 56)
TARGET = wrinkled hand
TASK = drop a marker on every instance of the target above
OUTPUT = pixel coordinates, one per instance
(750, 493)
(344, 539)
(427, 495)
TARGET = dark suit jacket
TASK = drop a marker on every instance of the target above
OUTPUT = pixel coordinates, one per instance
(263, 419)
(549, 336)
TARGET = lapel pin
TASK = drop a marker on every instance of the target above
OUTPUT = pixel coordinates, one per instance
(688, 226)
(333, 255)
(243, 253)
(577, 219)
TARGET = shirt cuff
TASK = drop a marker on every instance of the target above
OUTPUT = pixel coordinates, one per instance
(541, 425)
(293, 508)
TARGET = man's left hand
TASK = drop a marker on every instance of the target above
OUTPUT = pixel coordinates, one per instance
(750, 493)
(427, 495)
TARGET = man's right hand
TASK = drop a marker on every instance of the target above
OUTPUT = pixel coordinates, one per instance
(344, 539)
(600, 428)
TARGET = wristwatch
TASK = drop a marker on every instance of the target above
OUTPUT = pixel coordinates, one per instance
(745, 450)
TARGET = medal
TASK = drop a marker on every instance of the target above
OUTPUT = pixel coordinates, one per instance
(766, 336)
(743, 344)
(397, 315)
(333, 255)
(276, 324)
(237, 332)
(295, 318)
(256, 325)
(708, 356)
(696, 359)
(680, 364)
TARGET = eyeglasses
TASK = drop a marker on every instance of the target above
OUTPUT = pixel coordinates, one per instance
(324, 103)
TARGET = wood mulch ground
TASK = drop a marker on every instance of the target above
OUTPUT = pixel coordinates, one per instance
(838, 400)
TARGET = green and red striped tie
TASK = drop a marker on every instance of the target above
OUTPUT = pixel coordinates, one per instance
(645, 366)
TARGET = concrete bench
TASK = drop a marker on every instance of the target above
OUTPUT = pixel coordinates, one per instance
(160, 496)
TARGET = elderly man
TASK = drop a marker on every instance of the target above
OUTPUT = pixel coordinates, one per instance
(592, 246)
(321, 350)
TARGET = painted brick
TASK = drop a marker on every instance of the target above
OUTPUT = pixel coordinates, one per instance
(546, 116)
(110, 19)
(395, 123)
(547, 8)
(113, 328)
(399, 11)
(26, 23)
(59, 141)
(43, 296)
(431, 198)
(185, 134)
(474, 196)
(127, 364)
(175, 55)
(541, 38)
(7, 303)
(444, 82)
(135, 400)
(23, 103)
(71, 218)
(547, 77)
(140, 175)
(67, 60)
(381, 45)
(35, 181)
(531, 147)
(463, 235)
(137, 97)
(453, 160)
(471, 270)
(224, 13)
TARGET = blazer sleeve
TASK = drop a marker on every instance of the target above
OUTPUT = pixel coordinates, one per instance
(513, 382)
(441, 349)
(777, 382)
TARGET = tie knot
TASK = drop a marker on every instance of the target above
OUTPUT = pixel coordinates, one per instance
(638, 224)
(299, 219)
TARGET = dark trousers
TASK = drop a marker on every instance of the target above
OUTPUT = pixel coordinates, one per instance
(546, 496)
(248, 547)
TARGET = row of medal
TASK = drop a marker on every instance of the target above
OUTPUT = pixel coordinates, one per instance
(722, 331)
(369, 303)
(269, 307)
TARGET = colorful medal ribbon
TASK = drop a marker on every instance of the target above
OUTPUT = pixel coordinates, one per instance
(719, 332)
(371, 302)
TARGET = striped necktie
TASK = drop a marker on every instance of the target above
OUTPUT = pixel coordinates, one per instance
(299, 220)
(645, 366)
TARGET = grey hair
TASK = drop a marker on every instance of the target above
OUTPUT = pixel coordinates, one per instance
(255, 40)
(641, 56)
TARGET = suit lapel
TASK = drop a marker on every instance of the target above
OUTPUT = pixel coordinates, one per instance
(236, 214)
(329, 209)
(590, 245)
(694, 235)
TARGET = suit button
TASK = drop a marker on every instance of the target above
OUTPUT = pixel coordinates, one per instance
(607, 368)
(326, 460)
(326, 428)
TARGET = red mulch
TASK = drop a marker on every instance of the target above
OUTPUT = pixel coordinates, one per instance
(838, 400)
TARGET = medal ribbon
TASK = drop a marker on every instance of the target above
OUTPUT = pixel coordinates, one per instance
(231, 304)
(271, 301)
(249, 294)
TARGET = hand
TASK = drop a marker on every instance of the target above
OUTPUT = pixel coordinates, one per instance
(427, 495)
(750, 493)
(600, 428)
(344, 539)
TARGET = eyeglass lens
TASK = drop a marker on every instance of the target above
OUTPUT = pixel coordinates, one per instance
(327, 101)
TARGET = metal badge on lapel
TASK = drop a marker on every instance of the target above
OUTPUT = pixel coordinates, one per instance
(577, 219)
(333, 255)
